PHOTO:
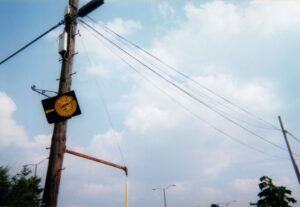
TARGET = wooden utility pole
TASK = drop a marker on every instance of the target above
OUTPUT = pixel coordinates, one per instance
(290, 151)
(58, 142)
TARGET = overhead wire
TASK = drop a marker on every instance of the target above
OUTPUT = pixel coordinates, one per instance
(222, 107)
(184, 107)
(185, 76)
(112, 127)
(183, 90)
(31, 42)
(295, 138)
(105, 108)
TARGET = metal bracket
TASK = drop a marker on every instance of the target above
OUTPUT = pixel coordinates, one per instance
(77, 33)
(67, 77)
(42, 91)
(67, 59)
(72, 56)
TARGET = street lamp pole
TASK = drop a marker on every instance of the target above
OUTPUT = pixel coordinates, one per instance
(36, 165)
(164, 192)
(165, 201)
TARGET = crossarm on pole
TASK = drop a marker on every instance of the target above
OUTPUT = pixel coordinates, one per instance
(98, 160)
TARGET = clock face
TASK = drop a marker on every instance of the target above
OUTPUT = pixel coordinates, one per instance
(65, 106)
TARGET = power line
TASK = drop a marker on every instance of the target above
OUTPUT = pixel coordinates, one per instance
(106, 109)
(223, 108)
(295, 138)
(31, 42)
(183, 90)
(185, 76)
(187, 109)
(179, 88)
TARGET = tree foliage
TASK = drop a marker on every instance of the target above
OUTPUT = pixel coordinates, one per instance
(23, 189)
(214, 205)
(271, 195)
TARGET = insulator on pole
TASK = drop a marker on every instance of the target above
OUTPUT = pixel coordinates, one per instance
(63, 41)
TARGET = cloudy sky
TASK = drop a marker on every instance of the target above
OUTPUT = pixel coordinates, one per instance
(188, 124)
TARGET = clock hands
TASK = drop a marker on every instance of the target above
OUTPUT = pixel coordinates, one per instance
(64, 106)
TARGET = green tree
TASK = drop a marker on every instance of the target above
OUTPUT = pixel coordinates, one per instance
(214, 205)
(23, 189)
(271, 195)
(4, 184)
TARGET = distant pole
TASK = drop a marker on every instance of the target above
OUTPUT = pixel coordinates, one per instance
(164, 192)
(165, 201)
(58, 142)
(290, 151)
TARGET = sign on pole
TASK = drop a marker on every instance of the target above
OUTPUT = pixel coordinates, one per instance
(61, 107)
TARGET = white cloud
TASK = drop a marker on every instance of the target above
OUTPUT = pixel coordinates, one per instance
(264, 17)
(102, 57)
(245, 185)
(215, 18)
(216, 163)
(218, 36)
(273, 16)
(218, 44)
(142, 119)
(11, 133)
(93, 189)
(98, 70)
(222, 46)
(166, 10)
(42, 140)
(211, 194)
(7, 106)
(258, 95)
(103, 146)
(124, 27)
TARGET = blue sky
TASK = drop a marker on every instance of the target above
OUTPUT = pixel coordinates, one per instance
(246, 51)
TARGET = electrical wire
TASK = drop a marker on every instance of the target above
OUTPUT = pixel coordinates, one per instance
(186, 108)
(106, 109)
(223, 108)
(184, 75)
(295, 138)
(31, 42)
(183, 90)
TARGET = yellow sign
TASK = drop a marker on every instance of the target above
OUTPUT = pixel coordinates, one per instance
(61, 107)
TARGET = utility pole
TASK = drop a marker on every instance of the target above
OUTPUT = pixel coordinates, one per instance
(58, 142)
(290, 151)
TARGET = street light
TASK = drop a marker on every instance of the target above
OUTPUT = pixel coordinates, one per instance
(164, 191)
(36, 165)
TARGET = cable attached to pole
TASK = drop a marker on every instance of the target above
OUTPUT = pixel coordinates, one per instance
(180, 104)
(33, 41)
(184, 91)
